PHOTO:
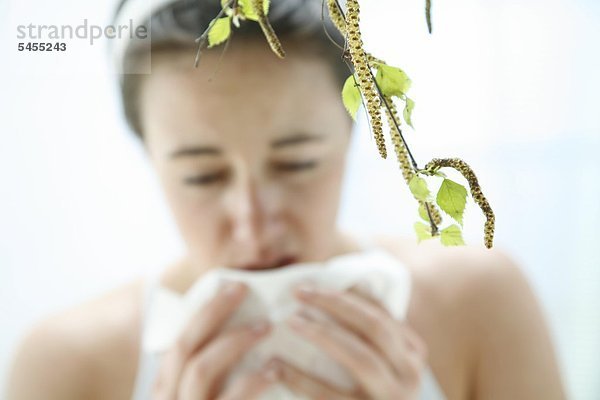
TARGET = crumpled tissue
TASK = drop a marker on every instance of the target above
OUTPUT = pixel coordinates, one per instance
(374, 272)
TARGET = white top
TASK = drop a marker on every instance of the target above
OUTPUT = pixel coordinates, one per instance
(149, 362)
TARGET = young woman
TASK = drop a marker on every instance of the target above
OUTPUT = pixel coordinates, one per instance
(250, 150)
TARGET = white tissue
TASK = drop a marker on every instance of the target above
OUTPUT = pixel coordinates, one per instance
(270, 295)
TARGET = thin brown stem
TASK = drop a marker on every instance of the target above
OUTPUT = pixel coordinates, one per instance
(201, 40)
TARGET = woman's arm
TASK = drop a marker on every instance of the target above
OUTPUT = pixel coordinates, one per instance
(514, 354)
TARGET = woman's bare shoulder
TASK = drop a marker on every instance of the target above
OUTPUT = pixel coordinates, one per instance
(477, 311)
(449, 274)
(458, 284)
(76, 352)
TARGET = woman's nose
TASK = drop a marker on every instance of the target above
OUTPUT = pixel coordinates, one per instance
(252, 210)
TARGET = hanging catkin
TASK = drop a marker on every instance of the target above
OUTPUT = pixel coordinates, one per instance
(338, 20)
(267, 29)
(373, 61)
(402, 155)
(466, 171)
(336, 16)
(365, 77)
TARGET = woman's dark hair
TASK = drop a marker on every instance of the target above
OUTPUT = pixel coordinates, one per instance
(177, 25)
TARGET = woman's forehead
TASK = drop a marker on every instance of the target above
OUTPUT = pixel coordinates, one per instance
(225, 97)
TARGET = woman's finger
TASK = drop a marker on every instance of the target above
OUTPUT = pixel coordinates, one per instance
(302, 383)
(206, 370)
(364, 318)
(250, 386)
(415, 341)
(364, 294)
(199, 330)
(415, 358)
(209, 318)
(368, 368)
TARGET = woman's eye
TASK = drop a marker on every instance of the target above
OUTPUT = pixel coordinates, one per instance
(204, 179)
(295, 166)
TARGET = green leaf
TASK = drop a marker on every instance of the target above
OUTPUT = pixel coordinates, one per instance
(423, 213)
(452, 198)
(408, 111)
(248, 9)
(392, 81)
(423, 231)
(219, 32)
(419, 189)
(351, 96)
(451, 236)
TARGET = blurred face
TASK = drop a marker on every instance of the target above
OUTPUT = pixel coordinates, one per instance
(250, 153)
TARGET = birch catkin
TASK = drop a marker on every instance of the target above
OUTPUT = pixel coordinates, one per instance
(338, 20)
(365, 77)
(373, 61)
(478, 196)
(402, 155)
(392, 118)
(267, 29)
(336, 16)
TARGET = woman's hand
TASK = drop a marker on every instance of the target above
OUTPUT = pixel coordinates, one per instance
(385, 356)
(202, 357)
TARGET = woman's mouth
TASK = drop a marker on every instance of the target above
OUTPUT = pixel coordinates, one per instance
(278, 263)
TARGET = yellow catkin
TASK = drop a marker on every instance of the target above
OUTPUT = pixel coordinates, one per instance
(365, 77)
(374, 60)
(267, 29)
(402, 155)
(336, 16)
(338, 20)
(400, 149)
(435, 213)
(478, 196)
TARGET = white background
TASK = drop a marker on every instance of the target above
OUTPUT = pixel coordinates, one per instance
(510, 86)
